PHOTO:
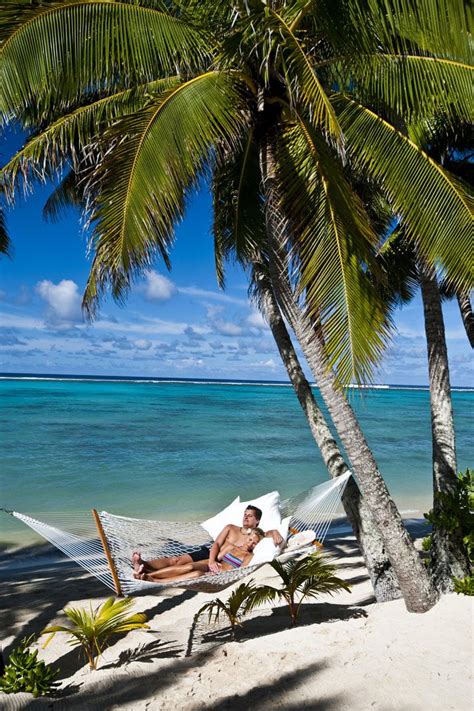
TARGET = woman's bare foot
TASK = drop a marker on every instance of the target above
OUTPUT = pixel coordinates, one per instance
(137, 561)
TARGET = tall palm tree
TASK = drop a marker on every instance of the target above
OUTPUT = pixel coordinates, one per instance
(149, 97)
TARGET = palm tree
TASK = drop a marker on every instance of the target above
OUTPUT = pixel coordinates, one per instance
(146, 98)
(300, 579)
(235, 607)
(378, 565)
(93, 630)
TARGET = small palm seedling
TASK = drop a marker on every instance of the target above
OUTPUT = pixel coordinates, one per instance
(92, 630)
(301, 579)
(234, 608)
(24, 672)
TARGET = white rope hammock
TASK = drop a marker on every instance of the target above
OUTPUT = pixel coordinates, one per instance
(103, 543)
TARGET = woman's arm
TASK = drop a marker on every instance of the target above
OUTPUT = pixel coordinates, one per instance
(215, 549)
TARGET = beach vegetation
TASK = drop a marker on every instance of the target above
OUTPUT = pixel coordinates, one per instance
(273, 102)
(301, 579)
(93, 629)
(454, 513)
(25, 672)
(232, 609)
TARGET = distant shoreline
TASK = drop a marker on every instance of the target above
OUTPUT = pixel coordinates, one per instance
(66, 377)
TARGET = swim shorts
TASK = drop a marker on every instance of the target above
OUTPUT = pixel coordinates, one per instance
(201, 554)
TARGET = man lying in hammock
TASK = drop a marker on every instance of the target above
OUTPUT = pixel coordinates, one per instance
(229, 557)
(230, 535)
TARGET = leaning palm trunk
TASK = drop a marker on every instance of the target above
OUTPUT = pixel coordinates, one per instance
(381, 573)
(467, 315)
(448, 553)
(413, 578)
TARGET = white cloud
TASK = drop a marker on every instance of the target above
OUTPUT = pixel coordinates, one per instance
(227, 328)
(256, 320)
(63, 299)
(142, 344)
(214, 295)
(158, 287)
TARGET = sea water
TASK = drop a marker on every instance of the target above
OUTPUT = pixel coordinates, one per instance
(183, 449)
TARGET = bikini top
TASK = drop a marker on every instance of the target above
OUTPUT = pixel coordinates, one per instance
(232, 560)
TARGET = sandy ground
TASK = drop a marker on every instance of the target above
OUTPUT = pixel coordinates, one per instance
(347, 652)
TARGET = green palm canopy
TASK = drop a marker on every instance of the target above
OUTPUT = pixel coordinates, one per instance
(143, 100)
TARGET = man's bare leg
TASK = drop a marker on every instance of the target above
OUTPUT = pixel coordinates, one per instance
(172, 571)
(150, 577)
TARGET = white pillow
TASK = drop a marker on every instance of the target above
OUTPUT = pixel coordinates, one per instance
(266, 550)
(231, 514)
(270, 507)
(234, 513)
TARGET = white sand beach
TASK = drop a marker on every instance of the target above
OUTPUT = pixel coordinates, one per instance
(347, 652)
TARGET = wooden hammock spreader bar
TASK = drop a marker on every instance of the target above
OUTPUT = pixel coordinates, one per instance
(107, 552)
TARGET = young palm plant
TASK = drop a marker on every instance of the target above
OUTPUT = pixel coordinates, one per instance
(300, 579)
(233, 609)
(92, 630)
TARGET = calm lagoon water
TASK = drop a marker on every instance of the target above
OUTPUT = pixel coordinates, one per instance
(181, 450)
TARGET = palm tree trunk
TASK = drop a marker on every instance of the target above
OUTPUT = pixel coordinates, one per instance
(413, 578)
(465, 307)
(380, 571)
(448, 553)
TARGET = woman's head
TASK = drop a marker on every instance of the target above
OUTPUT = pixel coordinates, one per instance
(254, 537)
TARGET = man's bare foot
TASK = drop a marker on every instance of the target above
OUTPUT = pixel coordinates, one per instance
(137, 561)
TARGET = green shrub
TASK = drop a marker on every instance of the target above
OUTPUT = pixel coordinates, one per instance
(464, 586)
(92, 630)
(456, 513)
(24, 672)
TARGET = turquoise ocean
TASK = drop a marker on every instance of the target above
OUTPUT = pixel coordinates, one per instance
(183, 449)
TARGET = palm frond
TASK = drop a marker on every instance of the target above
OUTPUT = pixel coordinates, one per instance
(334, 242)
(141, 186)
(101, 44)
(67, 137)
(5, 244)
(409, 86)
(303, 81)
(239, 224)
(436, 208)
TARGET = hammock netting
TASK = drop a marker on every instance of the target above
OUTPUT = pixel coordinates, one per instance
(75, 534)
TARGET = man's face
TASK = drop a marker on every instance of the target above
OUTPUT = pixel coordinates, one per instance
(250, 519)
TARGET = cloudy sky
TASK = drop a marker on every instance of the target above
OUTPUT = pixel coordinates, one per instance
(176, 324)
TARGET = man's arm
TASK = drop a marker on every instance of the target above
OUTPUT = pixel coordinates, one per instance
(275, 535)
(215, 548)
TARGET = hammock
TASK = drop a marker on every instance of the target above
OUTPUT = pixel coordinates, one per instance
(103, 543)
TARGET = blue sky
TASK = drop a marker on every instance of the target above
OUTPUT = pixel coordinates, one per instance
(176, 324)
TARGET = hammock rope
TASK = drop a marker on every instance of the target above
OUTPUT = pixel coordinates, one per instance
(107, 556)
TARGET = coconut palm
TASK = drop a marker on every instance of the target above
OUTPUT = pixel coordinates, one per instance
(301, 579)
(92, 630)
(147, 98)
(233, 609)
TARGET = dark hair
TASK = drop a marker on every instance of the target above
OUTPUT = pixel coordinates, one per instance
(258, 512)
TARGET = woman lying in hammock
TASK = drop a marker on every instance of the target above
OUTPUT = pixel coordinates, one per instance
(230, 557)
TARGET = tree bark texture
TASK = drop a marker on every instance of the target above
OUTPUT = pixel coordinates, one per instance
(465, 308)
(415, 583)
(380, 571)
(448, 553)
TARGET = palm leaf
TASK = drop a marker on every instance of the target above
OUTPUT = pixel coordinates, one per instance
(45, 152)
(435, 207)
(5, 245)
(239, 224)
(126, 44)
(411, 86)
(303, 82)
(143, 181)
(334, 242)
